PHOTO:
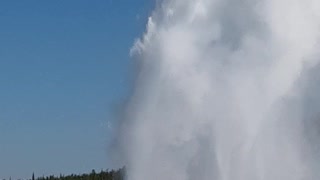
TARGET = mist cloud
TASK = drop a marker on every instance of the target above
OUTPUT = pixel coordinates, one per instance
(222, 91)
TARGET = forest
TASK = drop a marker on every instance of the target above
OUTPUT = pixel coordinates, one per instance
(93, 175)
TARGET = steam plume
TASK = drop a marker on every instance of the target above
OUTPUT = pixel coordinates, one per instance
(221, 92)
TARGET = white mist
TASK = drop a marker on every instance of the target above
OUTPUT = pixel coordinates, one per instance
(216, 95)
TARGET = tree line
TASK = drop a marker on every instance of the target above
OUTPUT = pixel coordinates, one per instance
(102, 175)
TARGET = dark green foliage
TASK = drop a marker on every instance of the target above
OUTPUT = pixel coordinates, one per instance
(103, 175)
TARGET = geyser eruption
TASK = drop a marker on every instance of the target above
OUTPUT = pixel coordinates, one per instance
(218, 94)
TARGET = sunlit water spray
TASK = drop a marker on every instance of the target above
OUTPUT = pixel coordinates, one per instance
(217, 93)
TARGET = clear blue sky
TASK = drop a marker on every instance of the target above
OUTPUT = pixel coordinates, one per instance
(64, 64)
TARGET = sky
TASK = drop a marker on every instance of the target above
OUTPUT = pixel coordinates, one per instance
(64, 68)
